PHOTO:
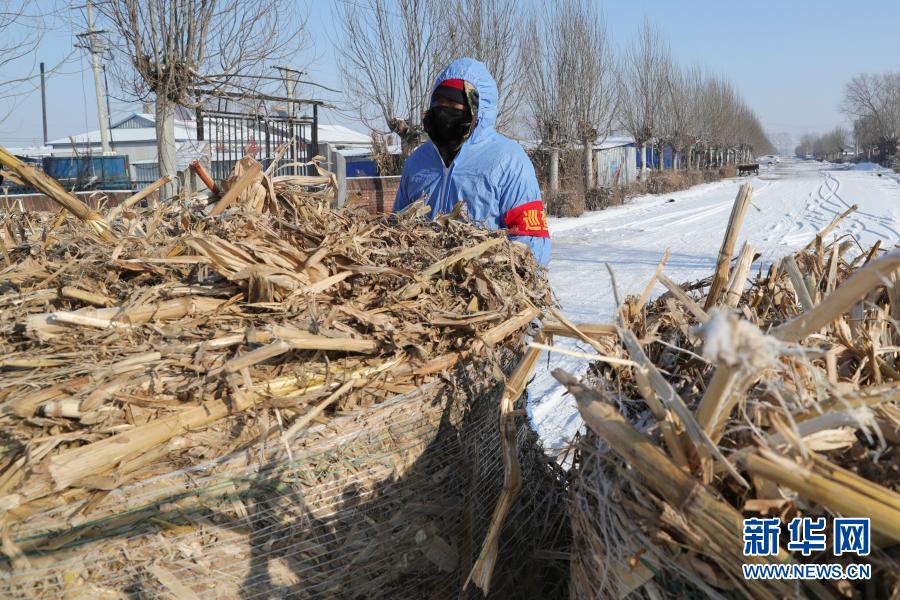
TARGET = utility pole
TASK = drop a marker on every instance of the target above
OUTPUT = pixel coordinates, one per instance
(95, 47)
(44, 102)
(290, 85)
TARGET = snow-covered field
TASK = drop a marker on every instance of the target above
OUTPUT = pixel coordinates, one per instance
(792, 201)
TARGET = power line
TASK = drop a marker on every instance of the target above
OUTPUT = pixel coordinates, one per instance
(96, 47)
(83, 97)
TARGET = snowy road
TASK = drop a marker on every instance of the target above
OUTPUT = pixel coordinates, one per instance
(792, 201)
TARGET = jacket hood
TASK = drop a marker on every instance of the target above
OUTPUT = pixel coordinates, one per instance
(475, 73)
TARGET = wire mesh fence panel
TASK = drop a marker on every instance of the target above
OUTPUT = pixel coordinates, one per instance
(390, 502)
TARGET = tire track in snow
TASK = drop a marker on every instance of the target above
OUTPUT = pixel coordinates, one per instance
(790, 228)
(860, 221)
(823, 206)
(678, 217)
(632, 238)
(881, 220)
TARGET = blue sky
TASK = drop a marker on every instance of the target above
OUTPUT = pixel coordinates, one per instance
(790, 59)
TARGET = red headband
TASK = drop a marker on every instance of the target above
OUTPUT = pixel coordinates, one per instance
(456, 84)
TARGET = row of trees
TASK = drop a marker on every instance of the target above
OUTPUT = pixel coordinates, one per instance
(872, 104)
(642, 90)
(825, 146)
(872, 101)
(561, 80)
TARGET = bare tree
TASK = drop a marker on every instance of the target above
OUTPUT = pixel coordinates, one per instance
(837, 142)
(709, 123)
(782, 141)
(678, 126)
(827, 146)
(646, 68)
(546, 58)
(732, 132)
(570, 82)
(702, 118)
(805, 147)
(720, 100)
(868, 138)
(389, 59)
(874, 102)
(591, 74)
(569, 70)
(487, 30)
(175, 46)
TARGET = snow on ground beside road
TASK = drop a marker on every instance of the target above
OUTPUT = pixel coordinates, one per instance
(792, 200)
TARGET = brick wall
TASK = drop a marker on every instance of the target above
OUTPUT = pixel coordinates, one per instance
(375, 194)
(42, 203)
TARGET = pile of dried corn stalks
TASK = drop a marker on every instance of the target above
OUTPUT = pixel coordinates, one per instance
(729, 399)
(164, 337)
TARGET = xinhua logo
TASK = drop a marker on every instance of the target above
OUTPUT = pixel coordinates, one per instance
(807, 536)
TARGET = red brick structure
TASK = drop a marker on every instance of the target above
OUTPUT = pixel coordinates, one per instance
(40, 202)
(375, 194)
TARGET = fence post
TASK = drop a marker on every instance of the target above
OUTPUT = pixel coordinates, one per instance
(314, 135)
(340, 171)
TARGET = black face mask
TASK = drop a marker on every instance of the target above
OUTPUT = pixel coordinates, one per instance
(447, 127)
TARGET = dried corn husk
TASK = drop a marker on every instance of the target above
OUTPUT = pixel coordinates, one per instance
(185, 337)
(796, 385)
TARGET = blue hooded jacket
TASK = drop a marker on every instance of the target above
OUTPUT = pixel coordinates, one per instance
(491, 172)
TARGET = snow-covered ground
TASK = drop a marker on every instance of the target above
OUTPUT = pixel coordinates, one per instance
(792, 200)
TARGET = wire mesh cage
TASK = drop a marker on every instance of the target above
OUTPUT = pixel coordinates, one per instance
(390, 502)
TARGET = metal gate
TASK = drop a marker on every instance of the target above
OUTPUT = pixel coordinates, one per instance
(233, 135)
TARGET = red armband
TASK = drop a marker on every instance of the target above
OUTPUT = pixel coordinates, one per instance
(527, 219)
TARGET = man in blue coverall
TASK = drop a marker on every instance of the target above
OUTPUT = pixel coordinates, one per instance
(467, 160)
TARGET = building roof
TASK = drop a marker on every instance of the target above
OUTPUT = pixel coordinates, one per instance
(614, 141)
(147, 118)
(139, 134)
(338, 134)
(31, 152)
(352, 152)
